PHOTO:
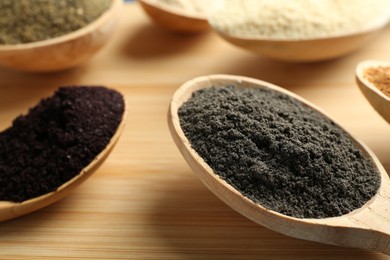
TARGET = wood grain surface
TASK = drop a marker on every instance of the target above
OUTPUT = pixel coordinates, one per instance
(144, 202)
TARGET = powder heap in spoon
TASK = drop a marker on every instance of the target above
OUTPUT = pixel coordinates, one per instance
(24, 21)
(380, 77)
(56, 139)
(278, 152)
(299, 19)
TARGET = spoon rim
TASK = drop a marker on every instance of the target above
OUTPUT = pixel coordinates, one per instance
(184, 92)
(90, 27)
(359, 74)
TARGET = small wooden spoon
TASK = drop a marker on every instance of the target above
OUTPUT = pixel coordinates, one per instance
(175, 19)
(305, 50)
(379, 101)
(367, 227)
(62, 52)
(10, 210)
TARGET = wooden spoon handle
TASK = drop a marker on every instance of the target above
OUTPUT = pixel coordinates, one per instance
(366, 228)
(375, 221)
(369, 226)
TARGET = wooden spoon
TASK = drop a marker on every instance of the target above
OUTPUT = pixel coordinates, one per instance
(304, 50)
(10, 210)
(62, 52)
(175, 19)
(367, 227)
(379, 101)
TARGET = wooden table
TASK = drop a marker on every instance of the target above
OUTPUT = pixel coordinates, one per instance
(144, 202)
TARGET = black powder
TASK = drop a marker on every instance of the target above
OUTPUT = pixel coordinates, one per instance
(278, 152)
(56, 140)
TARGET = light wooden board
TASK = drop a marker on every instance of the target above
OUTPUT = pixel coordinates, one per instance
(144, 202)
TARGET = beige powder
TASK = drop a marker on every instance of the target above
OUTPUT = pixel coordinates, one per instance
(380, 78)
(299, 19)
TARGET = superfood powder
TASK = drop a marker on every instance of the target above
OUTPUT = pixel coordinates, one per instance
(24, 21)
(379, 77)
(299, 19)
(56, 139)
(278, 152)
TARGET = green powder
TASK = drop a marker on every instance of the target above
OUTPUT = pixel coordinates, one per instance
(24, 21)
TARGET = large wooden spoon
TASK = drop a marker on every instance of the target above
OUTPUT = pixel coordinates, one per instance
(378, 100)
(62, 52)
(10, 210)
(367, 227)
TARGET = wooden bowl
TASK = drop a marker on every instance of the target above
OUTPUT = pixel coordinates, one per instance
(62, 52)
(175, 19)
(310, 50)
(305, 49)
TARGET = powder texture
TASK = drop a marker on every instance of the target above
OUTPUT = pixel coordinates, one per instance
(278, 152)
(299, 19)
(56, 140)
(380, 78)
(24, 21)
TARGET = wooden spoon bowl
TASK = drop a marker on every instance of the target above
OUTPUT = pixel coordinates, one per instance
(62, 52)
(175, 19)
(310, 50)
(366, 227)
(379, 101)
(10, 210)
